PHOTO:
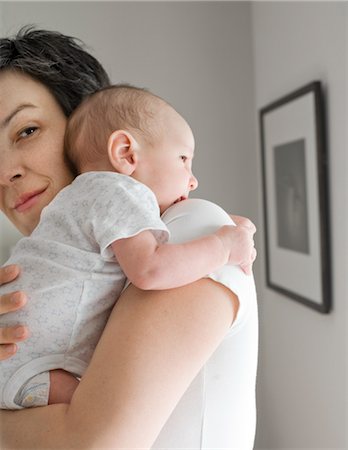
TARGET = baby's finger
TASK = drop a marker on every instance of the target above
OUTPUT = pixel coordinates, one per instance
(8, 273)
(247, 268)
(243, 221)
(12, 302)
(249, 224)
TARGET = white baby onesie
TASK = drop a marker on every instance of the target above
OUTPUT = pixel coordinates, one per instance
(71, 275)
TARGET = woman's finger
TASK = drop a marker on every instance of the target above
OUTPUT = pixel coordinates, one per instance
(8, 273)
(12, 302)
(6, 351)
(11, 335)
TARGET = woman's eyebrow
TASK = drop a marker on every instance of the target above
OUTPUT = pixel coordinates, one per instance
(19, 108)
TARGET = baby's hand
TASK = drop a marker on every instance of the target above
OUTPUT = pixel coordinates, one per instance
(240, 220)
(239, 243)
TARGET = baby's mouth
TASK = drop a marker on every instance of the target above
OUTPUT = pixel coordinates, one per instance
(180, 199)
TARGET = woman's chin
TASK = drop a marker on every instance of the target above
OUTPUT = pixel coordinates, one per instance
(27, 220)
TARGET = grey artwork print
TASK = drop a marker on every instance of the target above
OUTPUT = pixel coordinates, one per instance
(291, 196)
(294, 165)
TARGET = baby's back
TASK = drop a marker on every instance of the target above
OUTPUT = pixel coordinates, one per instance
(71, 289)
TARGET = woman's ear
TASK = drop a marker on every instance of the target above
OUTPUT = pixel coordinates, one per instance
(122, 152)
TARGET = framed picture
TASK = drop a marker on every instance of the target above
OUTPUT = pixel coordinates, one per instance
(295, 197)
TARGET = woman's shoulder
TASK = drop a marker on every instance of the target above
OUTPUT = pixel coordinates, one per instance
(195, 206)
(193, 218)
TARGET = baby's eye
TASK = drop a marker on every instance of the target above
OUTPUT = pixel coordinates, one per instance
(27, 132)
(183, 158)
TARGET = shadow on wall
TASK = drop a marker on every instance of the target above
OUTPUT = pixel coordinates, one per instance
(9, 237)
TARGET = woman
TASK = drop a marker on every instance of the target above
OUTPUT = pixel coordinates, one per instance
(169, 371)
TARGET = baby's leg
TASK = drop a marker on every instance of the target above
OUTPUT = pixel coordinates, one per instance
(62, 386)
(56, 386)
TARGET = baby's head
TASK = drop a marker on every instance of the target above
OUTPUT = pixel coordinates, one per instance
(132, 131)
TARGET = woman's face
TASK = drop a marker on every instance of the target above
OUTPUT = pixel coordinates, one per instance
(32, 168)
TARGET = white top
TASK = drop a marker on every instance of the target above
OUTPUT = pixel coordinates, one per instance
(218, 410)
(71, 275)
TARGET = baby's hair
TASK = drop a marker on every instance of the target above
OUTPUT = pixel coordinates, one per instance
(117, 107)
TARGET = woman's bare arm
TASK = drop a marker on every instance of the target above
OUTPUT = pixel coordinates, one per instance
(152, 348)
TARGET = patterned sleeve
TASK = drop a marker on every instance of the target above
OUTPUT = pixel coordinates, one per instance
(123, 208)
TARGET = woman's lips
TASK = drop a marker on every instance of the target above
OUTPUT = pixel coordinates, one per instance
(26, 201)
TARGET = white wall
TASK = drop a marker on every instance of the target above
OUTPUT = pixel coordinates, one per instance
(302, 371)
(196, 55)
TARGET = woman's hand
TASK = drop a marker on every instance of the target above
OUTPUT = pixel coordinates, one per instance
(11, 302)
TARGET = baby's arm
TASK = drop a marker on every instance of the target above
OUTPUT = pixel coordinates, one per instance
(149, 265)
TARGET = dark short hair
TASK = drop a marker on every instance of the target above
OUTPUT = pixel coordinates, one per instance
(58, 61)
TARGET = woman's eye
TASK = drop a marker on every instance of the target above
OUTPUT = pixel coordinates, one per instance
(27, 132)
(183, 158)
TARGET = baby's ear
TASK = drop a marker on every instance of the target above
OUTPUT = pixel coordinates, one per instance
(122, 152)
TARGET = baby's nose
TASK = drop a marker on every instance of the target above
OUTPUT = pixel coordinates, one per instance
(193, 183)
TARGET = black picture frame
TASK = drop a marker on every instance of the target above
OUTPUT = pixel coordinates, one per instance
(294, 161)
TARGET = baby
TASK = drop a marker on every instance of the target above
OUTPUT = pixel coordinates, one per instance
(134, 153)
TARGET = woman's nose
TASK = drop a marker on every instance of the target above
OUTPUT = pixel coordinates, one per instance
(10, 176)
(193, 183)
(15, 177)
